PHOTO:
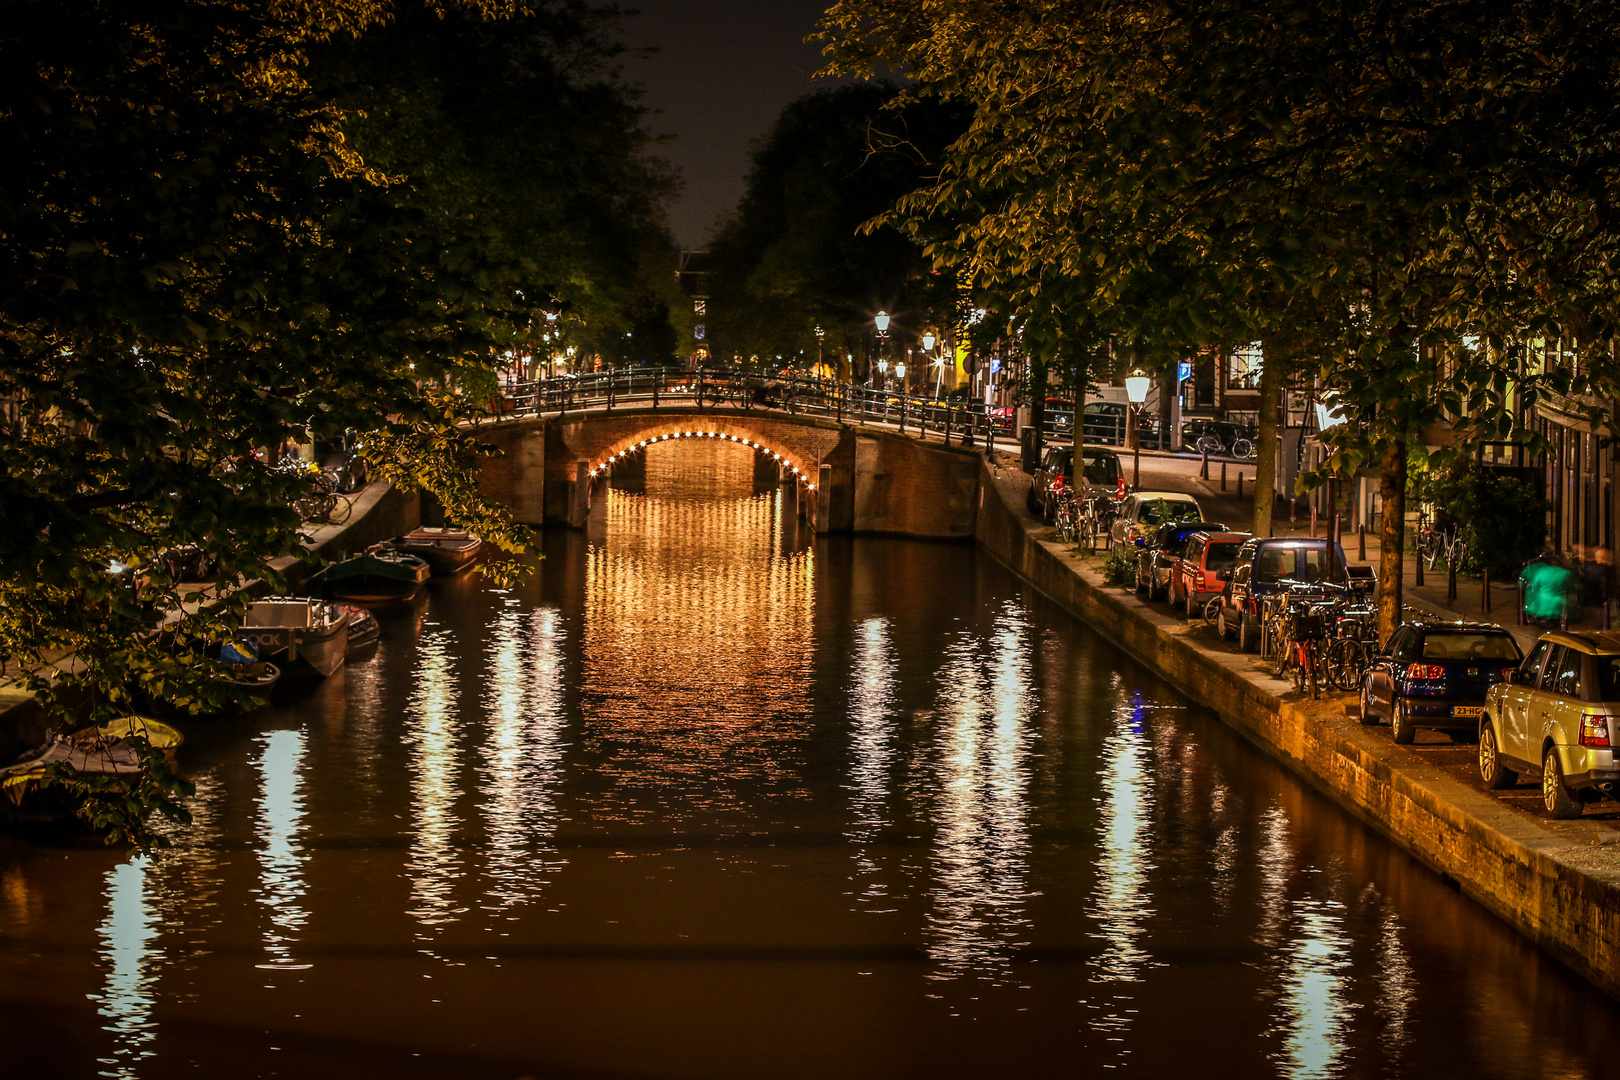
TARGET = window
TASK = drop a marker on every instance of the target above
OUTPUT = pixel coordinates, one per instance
(1195, 548)
(1608, 678)
(1454, 646)
(1103, 469)
(1302, 564)
(1530, 670)
(1221, 556)
(1403, 647)
(1244, 367)
(1162, 511)
(1549, 674)
(1569, 674)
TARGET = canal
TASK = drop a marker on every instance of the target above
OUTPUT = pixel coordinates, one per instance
(705, 798)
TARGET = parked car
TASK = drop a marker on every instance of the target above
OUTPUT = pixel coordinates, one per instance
(346, 469)
(1108, 422)
(1265, 565)
(1554, 719)
(1436, 675)
(1196, 576)
(1218, 437)
(1144, 511)
(1099, 469)
(1156, 561)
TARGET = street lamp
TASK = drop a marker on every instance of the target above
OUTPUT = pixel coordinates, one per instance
(819, 333)
(900, 373)
(883, 370)
(1136, 389)
(881, 321)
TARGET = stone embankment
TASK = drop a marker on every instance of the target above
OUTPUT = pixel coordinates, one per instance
(1557, 883)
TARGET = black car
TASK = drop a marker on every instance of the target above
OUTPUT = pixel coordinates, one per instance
(1436, 675)
(1156, 560)
(1267, 565)
(1099, 469)
(1108, 422)
(346, 469)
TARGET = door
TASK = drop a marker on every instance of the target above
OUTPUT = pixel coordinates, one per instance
(1381, 672)
(1537, 712)
(1562, 718)
(1512, 722)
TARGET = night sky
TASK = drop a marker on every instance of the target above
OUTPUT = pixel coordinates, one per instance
(723, 71)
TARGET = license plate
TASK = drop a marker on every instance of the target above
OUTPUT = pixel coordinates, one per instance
(1468, 710)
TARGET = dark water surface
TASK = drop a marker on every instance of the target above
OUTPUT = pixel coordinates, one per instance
(703, 799)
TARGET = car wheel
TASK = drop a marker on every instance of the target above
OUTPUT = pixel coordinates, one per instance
(1368, 717)
(1400, 725)
(1555, 794)
(1221, 626)
(1141, 586)
(1491, 770)
(1248, 634)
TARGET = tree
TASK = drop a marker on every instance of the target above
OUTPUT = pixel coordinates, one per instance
(795, 257)
(199, 266)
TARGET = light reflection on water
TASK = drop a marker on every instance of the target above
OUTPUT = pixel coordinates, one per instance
(1315, 983)
(980, 869)
(281, 856)
(522, 751)
(128, 936)
(431, 729)
(872, 733)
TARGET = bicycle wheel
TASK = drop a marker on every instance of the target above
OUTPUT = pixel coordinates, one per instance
(341, 511)
(1242, 448)
(1284, 653)
(1212, 610)
(1209, 444)
(1346, 660)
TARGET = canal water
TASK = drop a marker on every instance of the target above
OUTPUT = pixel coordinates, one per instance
(706, 798)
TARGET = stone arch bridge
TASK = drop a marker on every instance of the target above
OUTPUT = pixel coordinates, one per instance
(849, 477)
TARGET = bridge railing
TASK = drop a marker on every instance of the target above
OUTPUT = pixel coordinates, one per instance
(730, 390)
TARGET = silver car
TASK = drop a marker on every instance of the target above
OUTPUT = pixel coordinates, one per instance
(1554, 719)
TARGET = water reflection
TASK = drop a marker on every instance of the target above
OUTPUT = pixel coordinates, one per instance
(281, 856)
(127, 936)
(522, 753)
(1121, 903)
(871, 708)
(981, 855)
(1314, 989)
(431, 728)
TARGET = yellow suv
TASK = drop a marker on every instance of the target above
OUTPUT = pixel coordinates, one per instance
(1556, 719)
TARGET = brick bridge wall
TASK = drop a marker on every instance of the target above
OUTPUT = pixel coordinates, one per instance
(876, 481)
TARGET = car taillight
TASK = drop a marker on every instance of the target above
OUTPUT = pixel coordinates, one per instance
(1508, 673)
(1594, 729)
(1057, 483)
(1425, 671)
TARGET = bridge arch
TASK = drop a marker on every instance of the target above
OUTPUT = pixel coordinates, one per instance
(709, 428)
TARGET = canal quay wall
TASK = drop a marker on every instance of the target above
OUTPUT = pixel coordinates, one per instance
(1559, 886)
(866, 480)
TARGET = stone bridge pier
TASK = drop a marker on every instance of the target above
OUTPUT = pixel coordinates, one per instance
(847, 478)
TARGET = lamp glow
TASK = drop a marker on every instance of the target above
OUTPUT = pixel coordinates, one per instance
(1136, 388)
(882, 322)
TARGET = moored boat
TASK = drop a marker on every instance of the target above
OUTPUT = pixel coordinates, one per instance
(97, 751)
(308, 637)
(447, 550)
(364, 630)
(377, 576)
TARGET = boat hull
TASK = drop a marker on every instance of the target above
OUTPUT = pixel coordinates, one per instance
(445, 551)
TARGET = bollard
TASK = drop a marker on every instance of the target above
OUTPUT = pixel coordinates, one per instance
(1419, 558)
(1240, 485)
(1485, 582)
(1223, 476)
(1361, 542)
(1520, 614)
(1338, 531)
(1451, 584)
(1203, 472)
(1313, 519)
(1293, 513)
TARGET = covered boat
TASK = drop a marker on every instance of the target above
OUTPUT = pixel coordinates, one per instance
(446, 550)
(306, 637)
(379, 575)
(244, 671)
(104, 751)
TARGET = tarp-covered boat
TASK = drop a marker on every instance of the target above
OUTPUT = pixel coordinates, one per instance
(104, 750)
(447, 550)
(305, 637)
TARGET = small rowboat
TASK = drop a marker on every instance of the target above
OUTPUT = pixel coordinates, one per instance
(378, 576)
(364, 630)
(447, 551)
(104, 750)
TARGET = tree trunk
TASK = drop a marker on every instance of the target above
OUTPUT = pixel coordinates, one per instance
(1037, 399)
(1265, 447)
(1082, 373)
(1392, 538)
(1168, 388)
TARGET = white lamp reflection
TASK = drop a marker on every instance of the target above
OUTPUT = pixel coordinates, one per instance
(981, 863)
(523, 755)
(1122, 904)
(127, 935)
(281, 859)
(871, 704)
(1314, 992)
(431, 728)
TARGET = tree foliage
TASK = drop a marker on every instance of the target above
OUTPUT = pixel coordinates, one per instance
(197, 266)
(795, 256)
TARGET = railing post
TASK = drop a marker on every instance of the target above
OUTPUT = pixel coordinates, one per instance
(1223, 476)
(1451, 584)
(658, 377)
(1361, 542)
(1203, 469)
(1485, 580)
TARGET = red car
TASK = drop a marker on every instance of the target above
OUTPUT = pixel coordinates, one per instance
(1193, 581)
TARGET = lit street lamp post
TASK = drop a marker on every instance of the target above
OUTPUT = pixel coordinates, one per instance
(1136, 388)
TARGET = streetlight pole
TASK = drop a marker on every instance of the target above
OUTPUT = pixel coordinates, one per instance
(1136, 389)
(881, 321)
